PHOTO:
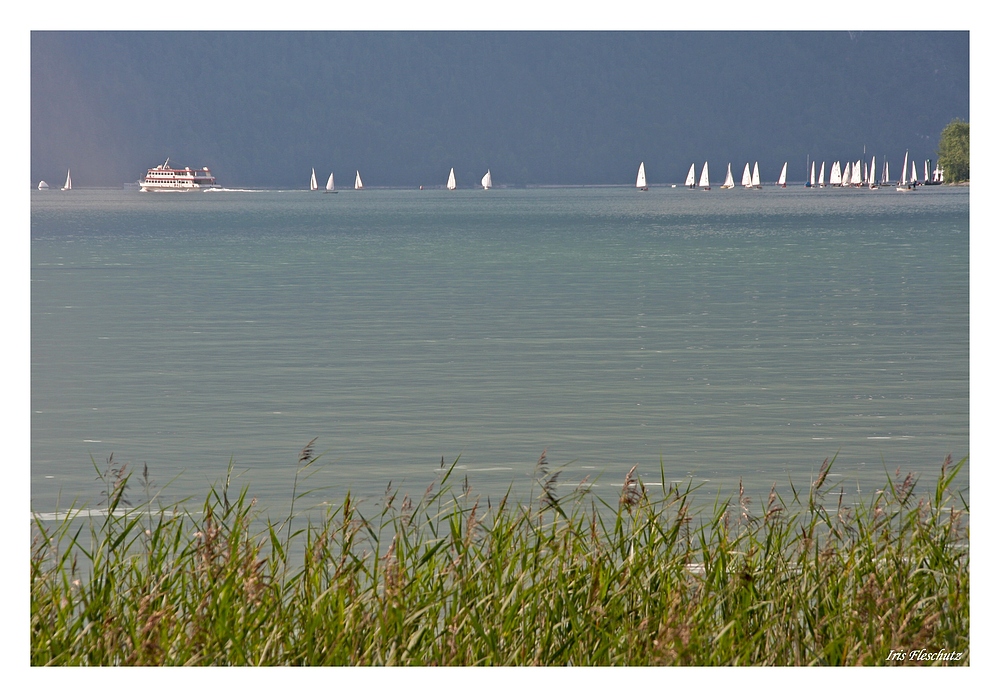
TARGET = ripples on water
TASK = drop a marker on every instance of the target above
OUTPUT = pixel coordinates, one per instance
(734, 334)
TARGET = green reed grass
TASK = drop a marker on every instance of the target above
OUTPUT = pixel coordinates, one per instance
(448, 579)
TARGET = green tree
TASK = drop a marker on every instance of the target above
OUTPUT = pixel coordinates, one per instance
(953, 151)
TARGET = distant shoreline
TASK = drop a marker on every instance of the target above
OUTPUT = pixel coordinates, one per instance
(253, 189)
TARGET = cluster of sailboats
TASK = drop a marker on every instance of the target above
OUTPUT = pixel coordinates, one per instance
(750, 180)
(330, 186)
(860, 174)
(487, 182)
(857, 174)
(852, 174)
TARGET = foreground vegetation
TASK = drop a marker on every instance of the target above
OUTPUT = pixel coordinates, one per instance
(448, 579)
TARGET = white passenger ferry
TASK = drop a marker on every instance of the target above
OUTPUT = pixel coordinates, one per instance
(164, 178)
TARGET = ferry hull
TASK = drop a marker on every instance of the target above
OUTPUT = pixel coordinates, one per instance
(176, 187)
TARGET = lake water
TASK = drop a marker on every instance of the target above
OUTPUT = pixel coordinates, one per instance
(731, 334)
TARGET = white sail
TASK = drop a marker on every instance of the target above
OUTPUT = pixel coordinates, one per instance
(43, 185)
(835, 179)
(746, 176)
(821, 168)
(313, 186)
(451, 180)
(329, 183)
(69, 182)
(913, 171)
(487, 180)
(902, 185)
(927, 172)
(856, 174)
(703, 181)
(640, 178)
(812, 175)
(781, 177)
(755, 179)
(885, 172)
(357, 180)
(690, 177)
(729, 184)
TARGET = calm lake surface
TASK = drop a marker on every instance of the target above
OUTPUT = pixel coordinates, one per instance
(732, 334)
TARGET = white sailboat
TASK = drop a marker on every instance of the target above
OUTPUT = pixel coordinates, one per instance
(937, 176)
(822, 167)
(835, 179)
(885, 173)
(746, 177)
(729, 183)
(913, 172)
(313, 186)
(487, 181)
(812, 176)
(69, 182)
(703, 182)
(357, 180)
(689, 181)
(856, 174)
(451, 180)
(640, 178)
(329, 185)
(755, 179)
(781, 177)
(901, 186)
(872, 180)
(43, 185)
